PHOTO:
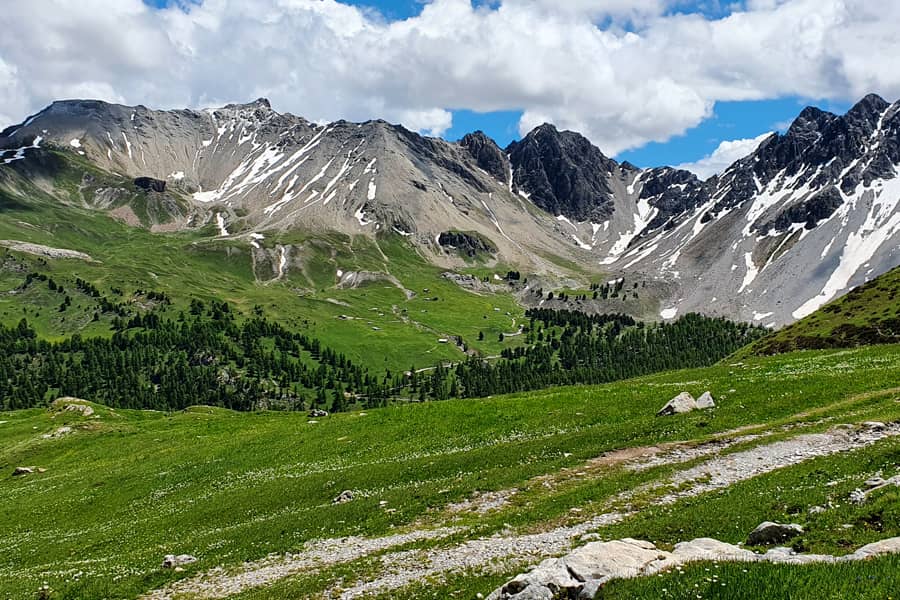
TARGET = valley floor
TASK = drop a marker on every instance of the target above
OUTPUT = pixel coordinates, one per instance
(451, 499)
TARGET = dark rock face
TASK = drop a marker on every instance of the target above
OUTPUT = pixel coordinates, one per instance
(809, 212)
(465, 243)
(563, 173)
(428, 151)
(487, 155)
(767, 533)
(674, 192)
(820, 149)
(150, 184)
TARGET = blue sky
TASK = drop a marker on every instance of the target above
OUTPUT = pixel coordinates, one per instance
(730, 121)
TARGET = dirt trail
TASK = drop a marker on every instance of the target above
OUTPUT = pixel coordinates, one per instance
(502, 553)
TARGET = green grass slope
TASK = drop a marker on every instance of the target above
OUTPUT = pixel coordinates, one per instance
(123, 488)
(377, 324)
(869, 314)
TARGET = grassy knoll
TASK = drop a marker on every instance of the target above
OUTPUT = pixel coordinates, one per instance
(869, 314)
(126, 487)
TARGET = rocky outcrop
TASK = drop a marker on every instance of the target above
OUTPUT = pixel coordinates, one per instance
(172, 561)
(41, 250)
(487, 155)
(344, 497)
(469, 244)
(583, 572)
(768, 533)
(860, 496)
(680, 404)
(150, 184)
(705, 401)
(73, 405)
(685, 403)
(809, 212)
(58, 433)
(563, 173)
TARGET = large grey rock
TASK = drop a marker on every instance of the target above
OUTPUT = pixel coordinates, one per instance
(706, 401)
(767, 533)
(710, 549)
(20, 471)
(589, 590)
(343, 497)
(788, 556)
(543, 582)
(880, 548)
(583, 572)
(172, 561)
(603, 561)
(680, 404)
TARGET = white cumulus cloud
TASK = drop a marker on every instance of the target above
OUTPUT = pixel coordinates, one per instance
(622, 72)
(724, 156)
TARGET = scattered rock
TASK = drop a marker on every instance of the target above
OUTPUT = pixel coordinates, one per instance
(171, 561)
(768, 533)
(875, 425)
(874, 484)
(816, 510)
(19, 471)
(317, 412)
(345, 496)
(83, 409)
(58, 433)
(680, 404)
(706, 401)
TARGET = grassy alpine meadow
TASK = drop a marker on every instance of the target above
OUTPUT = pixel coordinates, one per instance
(872, 580)
(120, 489)
(383, 323)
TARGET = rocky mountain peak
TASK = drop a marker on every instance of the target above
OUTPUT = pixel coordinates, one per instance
(563, 173)
(870, 108)
(259, 103)
(809, 124)
(488, 156)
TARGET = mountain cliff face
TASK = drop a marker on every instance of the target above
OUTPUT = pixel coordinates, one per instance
(805, 217)
(808, 215)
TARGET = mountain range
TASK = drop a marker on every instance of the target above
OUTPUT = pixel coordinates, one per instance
(808, 215)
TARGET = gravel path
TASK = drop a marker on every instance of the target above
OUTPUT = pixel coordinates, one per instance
(500, 554)
(317, 554)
